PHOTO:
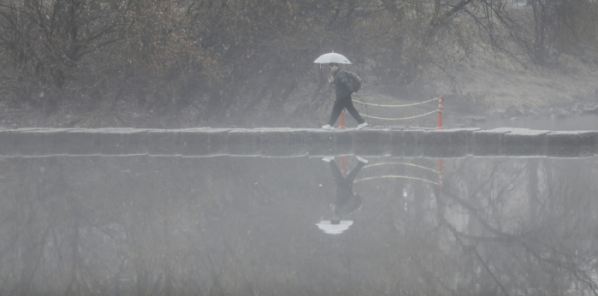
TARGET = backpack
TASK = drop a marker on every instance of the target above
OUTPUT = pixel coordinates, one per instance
(355, 80)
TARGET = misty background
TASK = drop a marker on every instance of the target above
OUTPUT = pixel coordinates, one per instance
(143, 225)
(247, 63)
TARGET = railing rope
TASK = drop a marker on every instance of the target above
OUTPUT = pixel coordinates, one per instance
(403, 118)
(394, 106)
(395, 177)
(401, 163)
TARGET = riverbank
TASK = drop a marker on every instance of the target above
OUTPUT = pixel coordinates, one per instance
(484, 90)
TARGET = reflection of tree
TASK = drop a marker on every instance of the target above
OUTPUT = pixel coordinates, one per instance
(151, 226)
(534, 229)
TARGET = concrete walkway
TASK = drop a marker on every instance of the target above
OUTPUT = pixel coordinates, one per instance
(289, 142)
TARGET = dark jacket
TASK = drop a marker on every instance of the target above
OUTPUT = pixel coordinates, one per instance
(342, 85)
(345, 201)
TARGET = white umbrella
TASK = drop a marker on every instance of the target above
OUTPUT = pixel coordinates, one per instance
(330, 228)
(332, 57)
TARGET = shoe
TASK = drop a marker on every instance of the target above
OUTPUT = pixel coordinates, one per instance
(362, 125)
(362, 159)
(327, 127)
(328, 158)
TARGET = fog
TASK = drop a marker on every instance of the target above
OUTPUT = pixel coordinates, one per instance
(247, 226)
(257, 226)
(222, 63)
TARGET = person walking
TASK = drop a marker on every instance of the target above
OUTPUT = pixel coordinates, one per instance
(346, 201)
(344, 90)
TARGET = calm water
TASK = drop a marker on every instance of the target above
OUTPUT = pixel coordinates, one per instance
(260, 226)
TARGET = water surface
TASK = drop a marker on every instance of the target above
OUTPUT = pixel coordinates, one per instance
(248, 225)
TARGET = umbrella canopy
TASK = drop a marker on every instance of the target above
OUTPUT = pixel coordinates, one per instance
(332, 57)
(330, 228)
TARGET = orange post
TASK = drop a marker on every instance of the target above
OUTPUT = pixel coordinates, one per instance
(440, 174)
(341, 124)
(439, 126)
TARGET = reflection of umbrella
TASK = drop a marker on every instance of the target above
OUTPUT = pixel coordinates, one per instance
(332, 58)
(330, 228)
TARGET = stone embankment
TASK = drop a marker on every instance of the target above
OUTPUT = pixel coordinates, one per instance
(289, 142)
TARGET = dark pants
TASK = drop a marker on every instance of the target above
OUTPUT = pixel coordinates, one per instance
(345, 183)
(339, 105)
(345, 201)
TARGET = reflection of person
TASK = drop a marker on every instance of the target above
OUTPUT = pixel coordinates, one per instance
(345, 201)
(344, 90)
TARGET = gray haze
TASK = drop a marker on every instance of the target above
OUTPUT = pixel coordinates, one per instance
(221, 226)
(246, 226)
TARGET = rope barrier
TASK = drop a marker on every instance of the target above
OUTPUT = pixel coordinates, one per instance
(403, 118)
(394, 106)
(403, 163)
(396, 177)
